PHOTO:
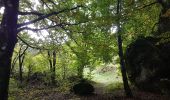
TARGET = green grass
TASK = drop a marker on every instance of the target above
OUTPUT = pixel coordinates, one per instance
(106, 78)
(110, 80)
(110, 75)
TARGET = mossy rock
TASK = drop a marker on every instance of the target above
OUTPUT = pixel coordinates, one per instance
(83, 88)
(145, 63)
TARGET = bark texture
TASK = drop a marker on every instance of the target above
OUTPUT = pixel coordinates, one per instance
(8, 39)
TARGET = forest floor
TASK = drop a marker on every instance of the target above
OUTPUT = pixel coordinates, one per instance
(37, 92)
(107, 84)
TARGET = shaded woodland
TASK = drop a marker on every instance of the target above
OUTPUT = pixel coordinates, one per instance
(84, 49)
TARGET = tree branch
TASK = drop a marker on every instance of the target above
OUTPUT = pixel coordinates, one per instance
(53, 26)
(34, 47)
(23, 52)
(47, 5)
(35, 30)
(47, 15)
(148, 5)
(51, 1)
(30, 13)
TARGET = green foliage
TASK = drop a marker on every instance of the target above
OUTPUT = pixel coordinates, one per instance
(139, 20)
(164, 38)
(82, 37)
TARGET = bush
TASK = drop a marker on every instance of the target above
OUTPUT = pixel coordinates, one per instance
(37, 77)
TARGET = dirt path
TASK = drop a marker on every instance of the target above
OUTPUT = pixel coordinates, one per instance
(100, 93)
(99, 88)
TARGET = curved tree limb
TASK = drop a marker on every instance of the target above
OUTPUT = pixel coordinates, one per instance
(30, 13)
(147, 5)
(39, 29)
(34, 47)
(49, 27)
(48, 15)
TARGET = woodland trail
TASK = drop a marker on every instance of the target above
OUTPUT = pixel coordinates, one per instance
(101, 93)
(99, 88)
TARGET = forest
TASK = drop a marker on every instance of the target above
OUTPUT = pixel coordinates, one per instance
(84, 49)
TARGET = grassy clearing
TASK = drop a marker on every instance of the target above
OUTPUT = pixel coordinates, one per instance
(106, 74)
(107, 78)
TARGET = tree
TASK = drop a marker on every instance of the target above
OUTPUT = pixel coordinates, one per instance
(122, 63)
(8, 37)
(87, 19)
(21, 57)
(52, 62)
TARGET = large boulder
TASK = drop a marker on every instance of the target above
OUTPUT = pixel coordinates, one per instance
(147, 63)
(83, 88)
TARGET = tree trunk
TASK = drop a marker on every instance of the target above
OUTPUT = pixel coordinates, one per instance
(13, 63)
(20, 68)
(22, 53)
(64, 72)
(29, 71)
(123, 69)
(52, 62)
(8, 39)
(122, 62)
(80, 69)
(54, 65)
